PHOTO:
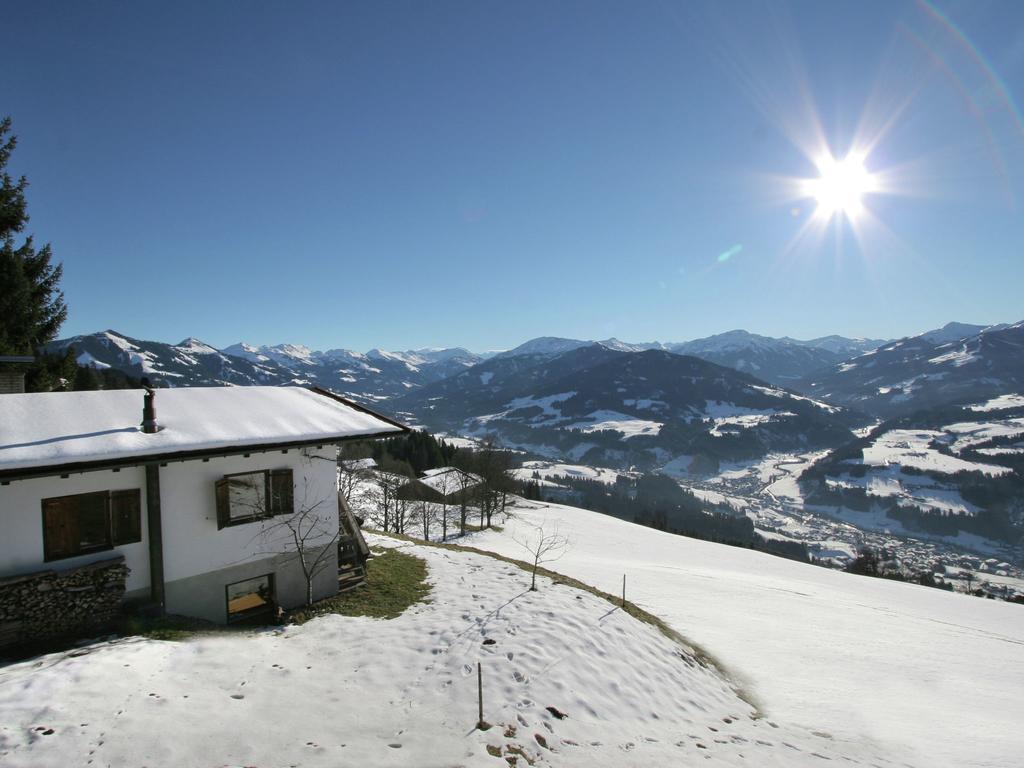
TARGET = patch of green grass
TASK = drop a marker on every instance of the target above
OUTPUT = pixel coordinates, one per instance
(470, 528)
(395, 581)
(168, 627)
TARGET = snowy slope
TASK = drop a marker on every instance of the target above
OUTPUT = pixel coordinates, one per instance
(363, 692)
(929, 677)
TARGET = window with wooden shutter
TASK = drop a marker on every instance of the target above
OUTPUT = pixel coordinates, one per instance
(223, 504)
(282, 492)
(82, 523)
(126, 516)
(248, 496)
(60, 528)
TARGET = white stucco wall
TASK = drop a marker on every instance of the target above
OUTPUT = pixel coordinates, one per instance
(192, 545)
(21, 523)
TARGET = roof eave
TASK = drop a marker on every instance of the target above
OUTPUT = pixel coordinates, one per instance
(361, 408)
(78, 467)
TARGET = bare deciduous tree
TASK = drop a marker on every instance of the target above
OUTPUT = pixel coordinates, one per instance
(544, 546)
(390, 512)
(308, 535)
(352, 473)
(464, 461)
(493, 465)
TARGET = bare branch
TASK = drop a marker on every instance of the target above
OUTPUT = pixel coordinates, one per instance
(544, 545)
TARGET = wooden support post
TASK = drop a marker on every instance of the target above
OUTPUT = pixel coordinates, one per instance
(156, 541)
(480, 696)
(623, 591)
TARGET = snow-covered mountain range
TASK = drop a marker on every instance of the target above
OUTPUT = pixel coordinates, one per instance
(957, 361)
(373, 375)
(926, 370)
(597, 404)
(778, 361)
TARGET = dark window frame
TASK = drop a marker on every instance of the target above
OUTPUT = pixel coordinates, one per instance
(243, 616)
(126, 529)
(278, 490)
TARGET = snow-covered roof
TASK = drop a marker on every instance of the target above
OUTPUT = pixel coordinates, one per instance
(449, 480)
(354, 465)
(51, 429)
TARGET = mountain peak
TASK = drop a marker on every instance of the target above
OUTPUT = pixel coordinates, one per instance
(194, 345)
(952, 331)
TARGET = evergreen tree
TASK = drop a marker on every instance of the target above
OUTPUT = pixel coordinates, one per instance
(32, 305)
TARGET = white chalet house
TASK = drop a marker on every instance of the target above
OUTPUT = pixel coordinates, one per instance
(191, 500)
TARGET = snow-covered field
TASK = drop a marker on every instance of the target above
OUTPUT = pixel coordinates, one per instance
(553, 469)
(912, 448)
(968, 434)
(366, 692)
(927, 677)
(614, 421)
(1001, 402)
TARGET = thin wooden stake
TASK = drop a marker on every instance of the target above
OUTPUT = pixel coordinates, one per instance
(480, 695)
(623, 591)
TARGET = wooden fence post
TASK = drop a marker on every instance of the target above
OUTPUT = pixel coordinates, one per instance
(480, 696)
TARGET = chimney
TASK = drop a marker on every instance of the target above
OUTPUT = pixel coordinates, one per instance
(149, 425)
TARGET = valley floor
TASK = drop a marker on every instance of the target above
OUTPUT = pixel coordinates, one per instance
(368, 692)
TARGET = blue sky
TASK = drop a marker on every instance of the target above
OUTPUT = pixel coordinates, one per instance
(473, 173)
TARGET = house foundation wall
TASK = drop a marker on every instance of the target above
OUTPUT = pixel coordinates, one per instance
(205, 595)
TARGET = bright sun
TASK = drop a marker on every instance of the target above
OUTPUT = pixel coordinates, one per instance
(840, 186)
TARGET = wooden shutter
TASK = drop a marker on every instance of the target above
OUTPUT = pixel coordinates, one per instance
(282, 492)
(126, 516)
(223, 503)
(60, 528)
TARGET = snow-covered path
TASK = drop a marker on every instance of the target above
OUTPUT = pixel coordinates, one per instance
(363, 692)
(932, 678)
